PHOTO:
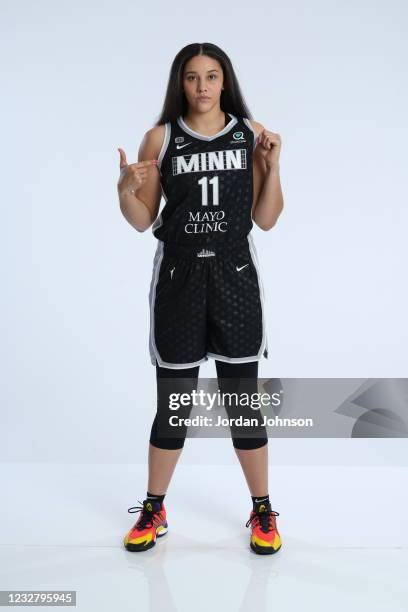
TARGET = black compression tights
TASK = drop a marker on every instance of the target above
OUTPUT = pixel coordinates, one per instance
(231, 371)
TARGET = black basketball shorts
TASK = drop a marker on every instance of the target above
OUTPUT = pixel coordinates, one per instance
(206, 302)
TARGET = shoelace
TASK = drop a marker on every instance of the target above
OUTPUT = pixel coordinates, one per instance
(264, 518)
(147, 518)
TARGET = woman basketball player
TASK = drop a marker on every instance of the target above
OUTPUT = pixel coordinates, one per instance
(218, 172)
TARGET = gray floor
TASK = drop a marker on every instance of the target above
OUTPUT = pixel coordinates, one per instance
(344, 533)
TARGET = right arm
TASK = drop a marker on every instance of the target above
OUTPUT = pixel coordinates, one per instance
(141, 207)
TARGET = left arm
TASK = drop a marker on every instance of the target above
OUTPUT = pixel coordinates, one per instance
(268, 198)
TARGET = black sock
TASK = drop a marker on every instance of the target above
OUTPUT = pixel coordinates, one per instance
(158, 498)
(259, 500)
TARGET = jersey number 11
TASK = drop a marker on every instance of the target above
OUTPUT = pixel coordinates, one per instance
(204, 190)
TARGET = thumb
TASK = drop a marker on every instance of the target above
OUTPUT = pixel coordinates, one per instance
(122, 161)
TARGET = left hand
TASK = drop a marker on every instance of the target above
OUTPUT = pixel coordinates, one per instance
(269, 147)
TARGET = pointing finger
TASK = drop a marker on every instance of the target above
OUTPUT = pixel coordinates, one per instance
(122, 162)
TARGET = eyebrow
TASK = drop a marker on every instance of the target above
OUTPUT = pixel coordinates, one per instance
(194, 72)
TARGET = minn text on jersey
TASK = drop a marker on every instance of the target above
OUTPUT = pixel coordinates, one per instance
(210, 161)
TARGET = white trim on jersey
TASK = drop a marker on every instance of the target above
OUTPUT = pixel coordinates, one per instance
(258, 269)
(249, 124)
(233, 121)
(159, 220)
(165, 144)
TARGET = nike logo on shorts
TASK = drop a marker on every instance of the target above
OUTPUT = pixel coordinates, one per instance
(239, 269)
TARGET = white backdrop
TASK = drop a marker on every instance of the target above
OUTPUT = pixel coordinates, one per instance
(81, 79)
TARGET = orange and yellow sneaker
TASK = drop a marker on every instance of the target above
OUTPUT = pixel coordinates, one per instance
(265, 538)
(151, 524)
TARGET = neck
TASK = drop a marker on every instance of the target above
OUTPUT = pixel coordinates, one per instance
(208, 123)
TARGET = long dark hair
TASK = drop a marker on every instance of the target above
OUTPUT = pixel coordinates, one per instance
(175, 103)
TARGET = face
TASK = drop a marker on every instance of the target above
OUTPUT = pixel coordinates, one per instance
(202, 82)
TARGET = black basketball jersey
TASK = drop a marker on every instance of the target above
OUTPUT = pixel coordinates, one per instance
(207, 183)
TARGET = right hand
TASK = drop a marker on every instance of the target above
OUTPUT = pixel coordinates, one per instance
(133, 176)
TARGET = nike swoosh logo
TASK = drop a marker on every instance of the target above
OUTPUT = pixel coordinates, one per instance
(264, 499)
(239, 269)
(181, 146)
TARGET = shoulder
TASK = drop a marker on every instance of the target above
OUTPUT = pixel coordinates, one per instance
(152, 142)
(256, 126)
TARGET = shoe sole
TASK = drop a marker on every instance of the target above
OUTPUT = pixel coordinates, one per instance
(264, 550)
(143, 547)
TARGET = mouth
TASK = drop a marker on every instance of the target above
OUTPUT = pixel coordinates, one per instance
(203, 98)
